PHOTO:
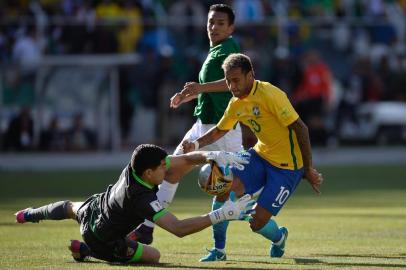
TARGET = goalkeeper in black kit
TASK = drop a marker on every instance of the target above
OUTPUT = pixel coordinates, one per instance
(108, 220)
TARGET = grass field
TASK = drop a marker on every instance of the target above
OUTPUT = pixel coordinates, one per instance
(359, 222)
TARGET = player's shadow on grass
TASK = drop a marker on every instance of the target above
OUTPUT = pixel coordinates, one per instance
(231, 253)
(305, 261)
(204, 266)
(397, 256)
(379, 265)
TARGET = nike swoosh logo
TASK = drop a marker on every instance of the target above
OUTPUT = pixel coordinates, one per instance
(276, 205)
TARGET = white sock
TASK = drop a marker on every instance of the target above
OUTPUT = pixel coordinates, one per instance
(166, 193)
(222, 250)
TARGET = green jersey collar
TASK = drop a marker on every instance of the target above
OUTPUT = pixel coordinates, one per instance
(142, 182)
(254, 88)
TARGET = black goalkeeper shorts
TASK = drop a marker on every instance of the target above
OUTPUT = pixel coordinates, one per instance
(120, 250)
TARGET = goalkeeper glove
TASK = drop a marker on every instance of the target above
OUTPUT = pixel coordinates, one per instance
(228, 159)
(232, 210)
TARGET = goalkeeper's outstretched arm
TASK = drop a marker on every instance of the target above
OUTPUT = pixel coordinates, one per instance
(182, 164)
(232, 210)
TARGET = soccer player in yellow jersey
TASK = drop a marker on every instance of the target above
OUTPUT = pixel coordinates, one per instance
(282, 155)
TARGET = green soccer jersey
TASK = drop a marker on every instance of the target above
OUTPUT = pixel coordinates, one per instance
(211, 106)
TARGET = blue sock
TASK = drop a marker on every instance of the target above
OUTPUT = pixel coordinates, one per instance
(271, 231)
(219, 229)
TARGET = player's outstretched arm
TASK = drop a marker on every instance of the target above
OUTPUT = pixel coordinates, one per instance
(209, 137)
(182, 164)
(232, 210)
(180, 98)
(191, 90)
(194, 88)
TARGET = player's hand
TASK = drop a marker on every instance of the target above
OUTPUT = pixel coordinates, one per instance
(233, 209)
(188, 147)
(191, 89)
(176, 100)
(180, 98)
(229, 159)
(315, 179)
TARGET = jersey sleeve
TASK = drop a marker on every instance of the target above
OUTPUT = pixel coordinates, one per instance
(229, 118)
(150, 208)
(281, 107)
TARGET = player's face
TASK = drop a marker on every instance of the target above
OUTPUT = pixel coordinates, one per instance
(158, 175)
(218, 27)
(240, 84)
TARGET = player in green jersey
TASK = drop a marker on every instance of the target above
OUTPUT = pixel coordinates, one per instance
(212, 98)
(107, 219)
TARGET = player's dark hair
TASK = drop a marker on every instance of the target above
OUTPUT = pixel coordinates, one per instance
(237, 60)
(147, 156)
(224, 9)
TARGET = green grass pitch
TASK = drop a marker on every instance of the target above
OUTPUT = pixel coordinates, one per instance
(359, 222)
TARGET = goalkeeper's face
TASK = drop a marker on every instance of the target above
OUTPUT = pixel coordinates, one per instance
(155, 176)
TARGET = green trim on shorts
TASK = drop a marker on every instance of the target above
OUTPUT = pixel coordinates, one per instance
(142, 182)
(137, 254)
(160, 214)
(167, 162)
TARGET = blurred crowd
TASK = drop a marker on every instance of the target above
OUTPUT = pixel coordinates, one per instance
(329, 56)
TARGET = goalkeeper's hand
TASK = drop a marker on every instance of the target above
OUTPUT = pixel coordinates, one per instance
(228, 159)
(232, 210)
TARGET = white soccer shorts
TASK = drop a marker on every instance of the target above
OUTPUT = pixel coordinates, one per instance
(231, 142)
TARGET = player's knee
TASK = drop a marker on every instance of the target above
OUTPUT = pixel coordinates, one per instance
(257, 223)
(70, 209)
(156, 256)
(73, 208)
(150, 255)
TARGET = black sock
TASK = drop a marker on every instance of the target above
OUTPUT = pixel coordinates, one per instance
(53, 211)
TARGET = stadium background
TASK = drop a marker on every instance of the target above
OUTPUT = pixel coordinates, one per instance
(83, 82)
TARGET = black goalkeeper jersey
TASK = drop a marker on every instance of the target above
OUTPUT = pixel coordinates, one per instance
(124, 206)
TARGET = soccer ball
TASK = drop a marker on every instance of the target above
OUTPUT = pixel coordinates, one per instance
(212, 180)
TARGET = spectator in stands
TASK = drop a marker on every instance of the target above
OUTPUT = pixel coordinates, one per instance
(248, 11)
(131, 31)
(20, 132)
(313, 94)
(53, 138)
(188, 17)
(80, 138)
(27, 53)
(350, 100)
(107, 13)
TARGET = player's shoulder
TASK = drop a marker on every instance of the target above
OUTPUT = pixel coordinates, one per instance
(227, 47)
(267, 88)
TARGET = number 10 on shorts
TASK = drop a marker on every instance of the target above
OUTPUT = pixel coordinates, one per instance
(282, 197)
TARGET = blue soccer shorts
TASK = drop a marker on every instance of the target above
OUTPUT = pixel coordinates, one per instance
(279, 184)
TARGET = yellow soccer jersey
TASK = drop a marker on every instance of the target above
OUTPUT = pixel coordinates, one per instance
(267, 111)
